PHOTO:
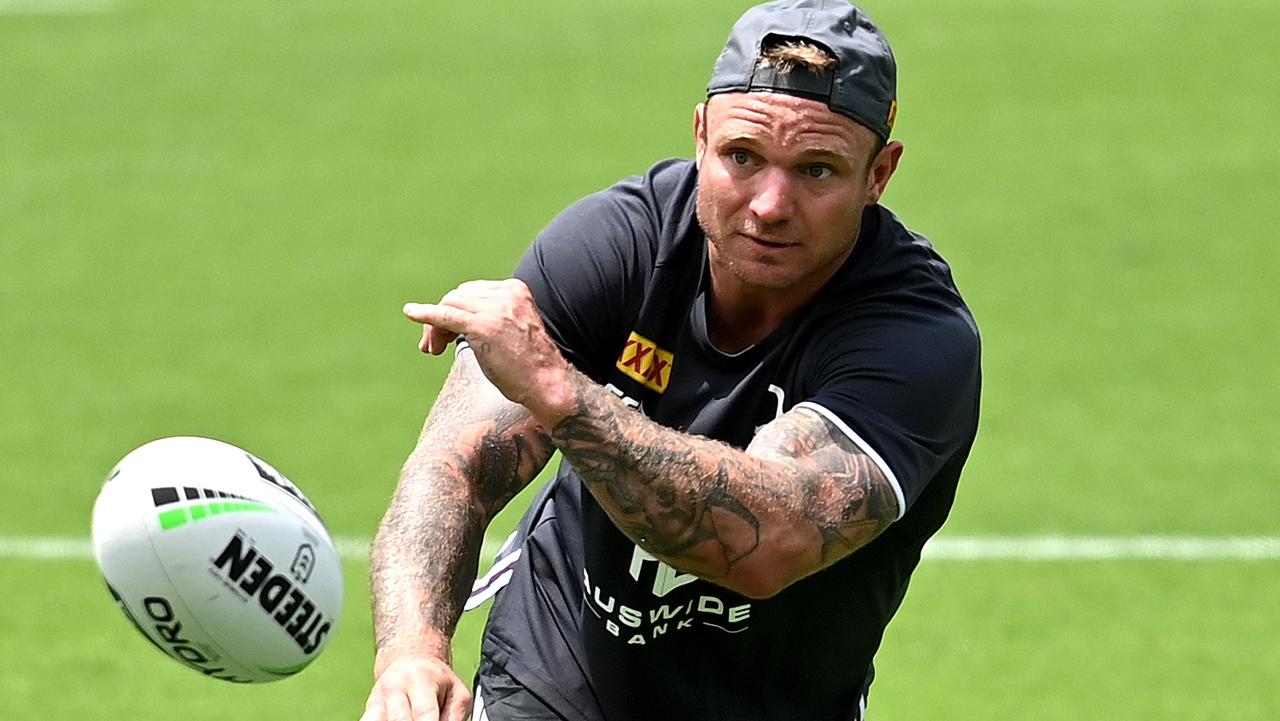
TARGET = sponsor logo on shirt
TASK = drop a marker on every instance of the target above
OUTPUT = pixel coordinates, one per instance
(640, 621)
(644, 361)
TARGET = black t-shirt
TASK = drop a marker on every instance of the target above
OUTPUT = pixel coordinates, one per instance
(887, 351)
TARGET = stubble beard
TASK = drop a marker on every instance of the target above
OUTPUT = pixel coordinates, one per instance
(718, 232)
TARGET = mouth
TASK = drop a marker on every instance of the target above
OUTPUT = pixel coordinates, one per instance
(766, 243)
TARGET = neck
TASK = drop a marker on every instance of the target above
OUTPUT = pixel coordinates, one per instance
(739, 314)
(734, 327)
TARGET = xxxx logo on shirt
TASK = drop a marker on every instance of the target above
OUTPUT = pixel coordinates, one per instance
(644, 361)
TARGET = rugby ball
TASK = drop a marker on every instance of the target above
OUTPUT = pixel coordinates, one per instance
(218, 559)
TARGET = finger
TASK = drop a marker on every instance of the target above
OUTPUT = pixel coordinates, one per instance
(435, 340)
(426, 704)
(429, 710)
(456, 704)
(448, 317)
(374, 710)
(439, 339)
(398, 708)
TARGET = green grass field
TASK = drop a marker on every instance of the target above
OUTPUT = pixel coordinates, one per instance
(210, 214)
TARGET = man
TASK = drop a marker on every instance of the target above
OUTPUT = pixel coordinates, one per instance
(764, 388)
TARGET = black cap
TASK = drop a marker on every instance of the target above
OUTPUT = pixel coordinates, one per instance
(861, 86)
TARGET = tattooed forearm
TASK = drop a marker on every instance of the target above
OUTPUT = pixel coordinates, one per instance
(663, 493)
(476, 452)
(848, 500)
(801, 497)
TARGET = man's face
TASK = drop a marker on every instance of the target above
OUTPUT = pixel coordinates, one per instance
(782, 182)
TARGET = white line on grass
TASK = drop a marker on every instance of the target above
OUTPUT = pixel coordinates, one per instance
(1103, 548)
(975, 548)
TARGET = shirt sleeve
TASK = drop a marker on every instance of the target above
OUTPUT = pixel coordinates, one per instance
(904, 388)
(586, 271)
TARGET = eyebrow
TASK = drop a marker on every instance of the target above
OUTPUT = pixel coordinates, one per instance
(748, 139)
(816, 152)
(823, 152)
(738, 138)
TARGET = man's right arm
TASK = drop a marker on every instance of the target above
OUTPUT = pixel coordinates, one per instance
(477, 451)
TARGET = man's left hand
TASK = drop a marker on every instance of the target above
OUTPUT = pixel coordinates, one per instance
(503, 327)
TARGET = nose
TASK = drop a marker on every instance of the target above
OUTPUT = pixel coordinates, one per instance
(773, 200)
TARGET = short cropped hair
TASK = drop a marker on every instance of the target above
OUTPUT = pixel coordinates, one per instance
(789, 56)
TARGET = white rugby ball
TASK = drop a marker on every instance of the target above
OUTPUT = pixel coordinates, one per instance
(218, 559)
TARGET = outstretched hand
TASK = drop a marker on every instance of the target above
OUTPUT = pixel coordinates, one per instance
(503, 327)
(418, 687)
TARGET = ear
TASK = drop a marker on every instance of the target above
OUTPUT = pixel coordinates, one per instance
(881, 170)
(699, 133)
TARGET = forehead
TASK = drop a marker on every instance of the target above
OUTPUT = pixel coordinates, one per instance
(790, 122)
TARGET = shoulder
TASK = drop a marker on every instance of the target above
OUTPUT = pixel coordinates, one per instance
(647, 206)
(667, 181)
(591, 267)
(892, 258)
(668, 184)
(662, 196)
(894, 279)
(895, 304)
(650, 219)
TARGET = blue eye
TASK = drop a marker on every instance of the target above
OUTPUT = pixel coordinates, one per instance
(818, 171)
(740, 157)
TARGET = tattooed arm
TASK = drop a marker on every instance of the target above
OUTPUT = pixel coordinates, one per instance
(799, 498)
(476, 451)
